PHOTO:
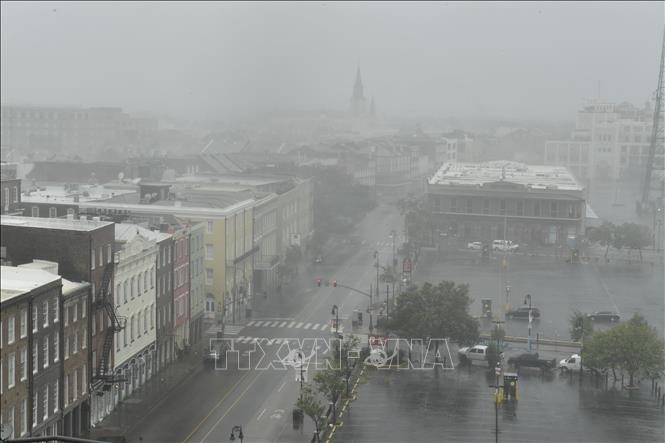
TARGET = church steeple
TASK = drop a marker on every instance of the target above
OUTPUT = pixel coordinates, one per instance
(358, 98)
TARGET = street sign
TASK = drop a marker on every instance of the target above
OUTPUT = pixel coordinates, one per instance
(497, 371)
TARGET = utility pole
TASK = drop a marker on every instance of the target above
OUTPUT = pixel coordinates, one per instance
(528, 297)
(376, 254)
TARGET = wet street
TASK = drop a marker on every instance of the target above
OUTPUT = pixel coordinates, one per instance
(457, 406)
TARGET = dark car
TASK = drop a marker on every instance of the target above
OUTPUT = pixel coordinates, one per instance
(523, 312)
(604, 315)
(531, 361)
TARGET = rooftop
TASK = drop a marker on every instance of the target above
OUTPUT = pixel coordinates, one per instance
(52, 268)
(19, 281)
(53, 223)
(62, 194)
(170, 207)
(532, 176)
(128, 231)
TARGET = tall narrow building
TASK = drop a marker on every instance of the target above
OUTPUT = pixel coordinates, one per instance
(358, 105)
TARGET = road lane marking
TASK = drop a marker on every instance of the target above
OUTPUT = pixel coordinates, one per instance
(215, 407)
(232, 405)
(299, 325)
(315, 327)
(282, 386)
(281, 325)
(273, 324)
(291, 324)
(258, 324)
(251, 323)
(308, 325)
(261, 415)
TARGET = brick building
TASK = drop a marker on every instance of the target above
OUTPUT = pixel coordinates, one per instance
(84, 251)
(10, 195)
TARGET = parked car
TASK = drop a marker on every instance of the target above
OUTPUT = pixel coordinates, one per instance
(473, 353)
(531, 361)
(476, 246)
(604, 315)
(523, 312)
(505, 245)
(574, 363)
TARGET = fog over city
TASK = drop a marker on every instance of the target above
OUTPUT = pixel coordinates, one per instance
(293, 222)
(219, 60)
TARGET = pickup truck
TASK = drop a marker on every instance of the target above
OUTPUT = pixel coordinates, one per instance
(473, 353)
(531, 361)
(574, 363)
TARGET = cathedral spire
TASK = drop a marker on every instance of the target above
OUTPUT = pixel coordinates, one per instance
(358, 98)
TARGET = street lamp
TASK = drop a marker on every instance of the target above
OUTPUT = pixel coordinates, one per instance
(236, 432)
(528, 297)
(335, 312)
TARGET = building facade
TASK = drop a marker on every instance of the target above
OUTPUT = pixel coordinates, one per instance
(136, 304)
(31, 359)
(84, 251)
(196, 283)
(10, 187)
(609, 141)
(526, 203)
(181, 287)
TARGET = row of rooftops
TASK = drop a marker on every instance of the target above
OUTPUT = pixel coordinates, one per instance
(18, 280)
(529, 176)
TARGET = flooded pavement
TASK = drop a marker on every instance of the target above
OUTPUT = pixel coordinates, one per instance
(457, 406)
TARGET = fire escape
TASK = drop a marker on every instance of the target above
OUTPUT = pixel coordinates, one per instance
(105, 302)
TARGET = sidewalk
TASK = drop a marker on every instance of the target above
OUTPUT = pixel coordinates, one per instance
(133, 410)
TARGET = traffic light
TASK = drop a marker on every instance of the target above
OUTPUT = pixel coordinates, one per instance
(334, 283)
(318, 282)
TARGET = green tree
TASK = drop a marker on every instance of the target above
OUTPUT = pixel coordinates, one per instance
(418, 223)
(603, 235)
(633, 347)
(440, 311)
(311, 406)
(632, 237)
(581, 326)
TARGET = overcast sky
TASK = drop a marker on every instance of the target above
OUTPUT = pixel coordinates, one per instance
(212, 60)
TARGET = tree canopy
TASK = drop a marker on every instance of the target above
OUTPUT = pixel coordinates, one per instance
(633, 347)
(440, 311)
(630, 236)
(581, 326)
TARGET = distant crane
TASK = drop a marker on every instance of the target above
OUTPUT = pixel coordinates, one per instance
(655, 160)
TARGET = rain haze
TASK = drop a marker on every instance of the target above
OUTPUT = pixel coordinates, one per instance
(293, 222)
(517, 60)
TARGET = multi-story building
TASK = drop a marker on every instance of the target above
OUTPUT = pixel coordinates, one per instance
(56, 129)
(136, 280)
(609, 141)
(71, 348)
(196, 283)
(10, 197)
(181, 287)
(31, 359)
(481, 201)
(84, 251)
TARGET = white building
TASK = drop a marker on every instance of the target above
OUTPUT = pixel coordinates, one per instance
(609, 141)
(135, 299)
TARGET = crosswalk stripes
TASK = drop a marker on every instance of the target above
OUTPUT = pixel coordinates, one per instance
(251, 323)
(299, 325)
(233, 329)
(308, 325)
(291, 324)
(281, 325)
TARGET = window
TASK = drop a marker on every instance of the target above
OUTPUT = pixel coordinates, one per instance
(45, 350)
(132, 286)
(56, 309)
(56, 347)
(67, 347)
(65, 394)
(109, 253)
(56, 388)
(6, 199)
(11, 373)
(138, 324)
(209, 227)
(101, 256)
(45, 400)
(152, 316)
(502, 207)
(131, 333)
(117, 294)
(35, 360)
(75, 317)
(152, 278)
(209, 252)
(35, 402)
(145, 281)
(35, 211)
(124, 290)
(138, 285)
(52, 212)
(75, 342)
(84, 378)
(520, 207)
(209, 276)
(536, 209)
(92, 260)
(15, 194)
(145, 320)
(168, 255)
(45, 308)
(24, 416)
(94, 324)
(23, 363)
(124, 337)
(469, 207)
(84, 340)
(553, 209)
(10, 330)
(486, 206)
(11, 421)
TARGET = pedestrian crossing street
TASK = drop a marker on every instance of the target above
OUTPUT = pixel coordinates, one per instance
(287, 324)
